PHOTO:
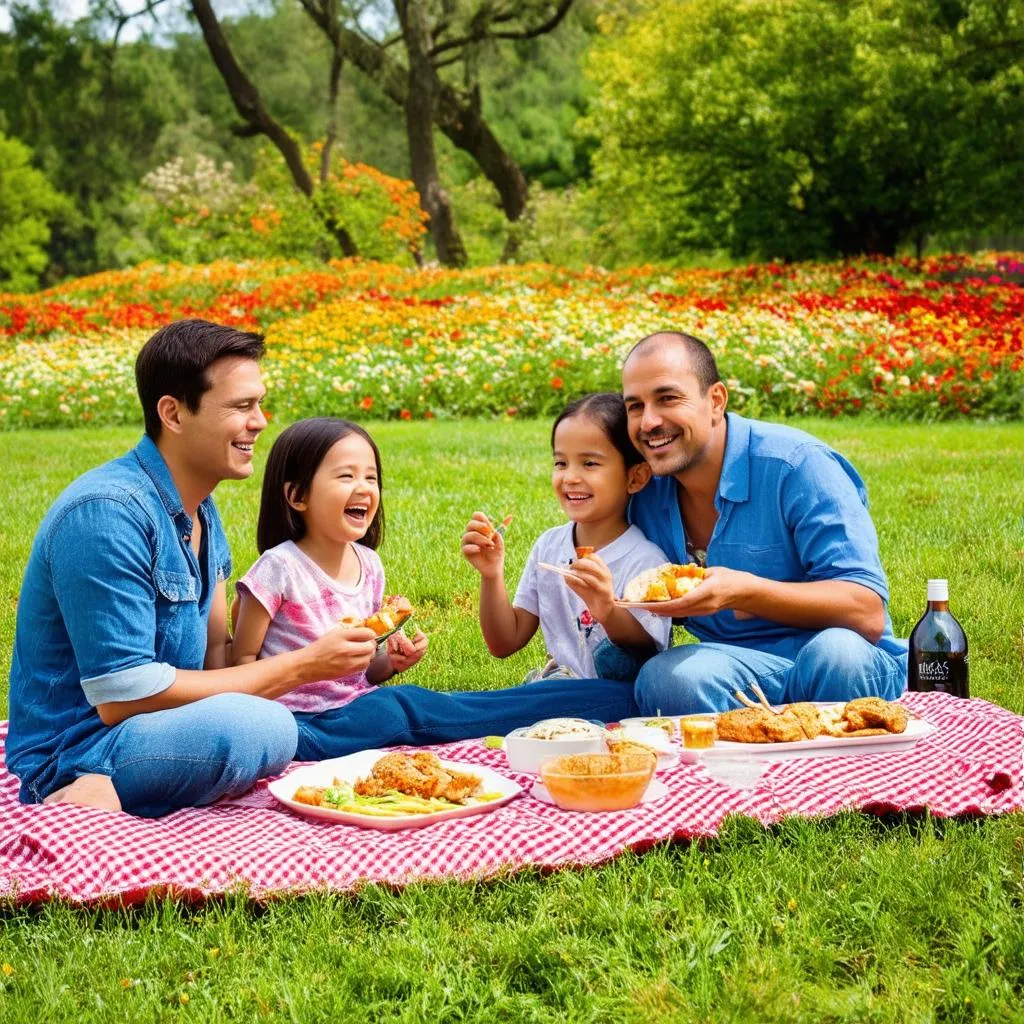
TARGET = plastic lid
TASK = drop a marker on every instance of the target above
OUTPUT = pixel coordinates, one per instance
(938, 590)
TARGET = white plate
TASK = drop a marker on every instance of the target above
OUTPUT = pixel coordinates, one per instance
(656, 790)
(358, 766)
(824, 746)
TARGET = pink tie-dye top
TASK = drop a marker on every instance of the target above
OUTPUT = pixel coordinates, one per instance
(304, 603)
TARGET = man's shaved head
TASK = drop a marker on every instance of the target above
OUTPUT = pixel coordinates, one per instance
(702, 362)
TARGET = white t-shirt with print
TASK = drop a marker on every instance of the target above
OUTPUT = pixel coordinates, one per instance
(570, 632)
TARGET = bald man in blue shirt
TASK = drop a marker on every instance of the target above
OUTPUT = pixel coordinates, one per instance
(795, 598)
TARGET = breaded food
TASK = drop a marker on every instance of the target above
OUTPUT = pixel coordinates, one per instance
(875, 713)
(663, 583)
(757, 725)
(807, 715)
(419, 774)
(393, 613)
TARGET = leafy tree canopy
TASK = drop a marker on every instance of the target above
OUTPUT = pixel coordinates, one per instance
(808, 127)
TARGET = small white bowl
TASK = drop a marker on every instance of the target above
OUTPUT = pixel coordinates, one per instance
(645, 722)
(525, 754)
(651, 736)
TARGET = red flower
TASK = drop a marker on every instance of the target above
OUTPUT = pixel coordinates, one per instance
(405, 415)
(366, 403)
(557, 383)
(428, 415)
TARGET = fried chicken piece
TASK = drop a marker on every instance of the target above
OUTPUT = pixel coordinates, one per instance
(807, 715)
(757, 725)
(874, 713)
(313, 795)
(420, 775)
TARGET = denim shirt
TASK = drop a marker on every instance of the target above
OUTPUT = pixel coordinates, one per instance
(113, 601)
(790, 509)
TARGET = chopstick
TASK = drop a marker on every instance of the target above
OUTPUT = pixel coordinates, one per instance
(759, 694)
(557, 568)
(762, 701)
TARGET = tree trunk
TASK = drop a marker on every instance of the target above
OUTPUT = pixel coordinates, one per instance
(459, 119)
(419, 105)
(257, 118)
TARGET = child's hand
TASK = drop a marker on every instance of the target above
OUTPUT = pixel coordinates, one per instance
(404, 652)
(596, 587)
(484, 548)
(343, 651)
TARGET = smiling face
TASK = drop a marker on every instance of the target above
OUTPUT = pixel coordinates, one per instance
(216, 441)
(671, 422)
(590, 478)
(344, 495)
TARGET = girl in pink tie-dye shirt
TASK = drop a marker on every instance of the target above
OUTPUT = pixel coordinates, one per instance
(321, 520)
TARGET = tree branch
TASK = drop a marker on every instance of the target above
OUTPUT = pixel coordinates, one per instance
(482, 30)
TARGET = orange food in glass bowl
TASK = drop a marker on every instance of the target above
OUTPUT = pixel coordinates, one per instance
(598, 782)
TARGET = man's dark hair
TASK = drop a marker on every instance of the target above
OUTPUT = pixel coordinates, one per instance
(294, 459)
(175, 360)
(705, 369)
(608, 411)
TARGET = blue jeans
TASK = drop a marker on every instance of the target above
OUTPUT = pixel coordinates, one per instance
(393, 715)
(835, 665)
(220, 746)
(188, 756)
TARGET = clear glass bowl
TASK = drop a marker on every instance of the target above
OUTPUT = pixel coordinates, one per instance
(597, 782)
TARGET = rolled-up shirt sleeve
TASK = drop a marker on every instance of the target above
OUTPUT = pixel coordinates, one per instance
(101, 564)
(834, 535)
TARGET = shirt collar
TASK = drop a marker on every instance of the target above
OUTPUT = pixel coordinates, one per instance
(734, 483)
(153, 463)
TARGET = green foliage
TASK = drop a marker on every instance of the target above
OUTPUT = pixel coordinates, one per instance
(91, 119)
(28, 205)
(806, 128)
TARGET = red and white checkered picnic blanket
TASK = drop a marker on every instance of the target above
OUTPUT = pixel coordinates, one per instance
(970, 765)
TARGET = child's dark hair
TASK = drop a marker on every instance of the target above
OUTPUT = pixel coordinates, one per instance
(294, 459)
(608, 411)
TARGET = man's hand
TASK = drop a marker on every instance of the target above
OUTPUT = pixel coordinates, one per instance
(343, 651)
(721, 589)
(596, 586)
(404, 652)
(483, 547)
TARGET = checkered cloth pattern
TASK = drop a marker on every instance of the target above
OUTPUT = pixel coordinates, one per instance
(970, 765)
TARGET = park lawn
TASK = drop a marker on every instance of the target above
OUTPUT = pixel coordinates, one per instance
(852, 918)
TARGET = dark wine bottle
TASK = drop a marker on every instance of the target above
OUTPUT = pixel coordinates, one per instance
(938, 647)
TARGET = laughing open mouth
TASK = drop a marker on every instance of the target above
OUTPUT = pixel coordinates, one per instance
(357, 512)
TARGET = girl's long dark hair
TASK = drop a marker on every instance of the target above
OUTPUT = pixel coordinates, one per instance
(294, 460)
(608, 411)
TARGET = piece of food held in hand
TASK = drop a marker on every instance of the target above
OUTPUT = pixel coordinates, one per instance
(663, 583)
(598, 782)
(793, 723)
(400, 784)
(582, 550)
(393, 614)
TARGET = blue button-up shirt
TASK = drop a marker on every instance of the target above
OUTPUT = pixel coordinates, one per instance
(113, 601)
(790, 509)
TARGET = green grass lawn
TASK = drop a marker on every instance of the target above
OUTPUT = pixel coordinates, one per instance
(853, 918)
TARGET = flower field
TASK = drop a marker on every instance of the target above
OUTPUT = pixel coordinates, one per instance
(937, 339)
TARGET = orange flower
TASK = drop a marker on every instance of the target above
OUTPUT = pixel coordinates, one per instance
(366, 403)
(557, 383)
(405, 415)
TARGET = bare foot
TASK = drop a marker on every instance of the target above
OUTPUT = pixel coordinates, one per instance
(87, 791)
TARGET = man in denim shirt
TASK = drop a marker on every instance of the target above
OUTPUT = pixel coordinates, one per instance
(120, 695)
(795, 597)
(119, 692)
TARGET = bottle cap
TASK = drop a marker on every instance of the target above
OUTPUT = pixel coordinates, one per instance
(938, 590)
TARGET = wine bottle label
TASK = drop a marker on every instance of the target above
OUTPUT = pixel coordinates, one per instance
(933, 671)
